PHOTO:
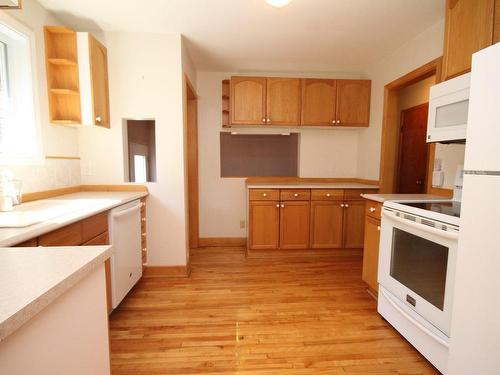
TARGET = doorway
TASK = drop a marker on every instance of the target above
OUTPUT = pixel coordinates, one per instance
(413, 150)
(390, 165)
(192, 164)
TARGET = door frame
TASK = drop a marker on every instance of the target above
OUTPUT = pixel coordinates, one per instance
(390, 130)
(191, 156)
(398, 171)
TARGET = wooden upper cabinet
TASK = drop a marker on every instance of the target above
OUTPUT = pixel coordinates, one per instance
(283, 101)
(469, 28)
(353, 102)
(318, 102)
(99, 82)
(264, 225)
(248, 100)
(294, 224)
(496, 26)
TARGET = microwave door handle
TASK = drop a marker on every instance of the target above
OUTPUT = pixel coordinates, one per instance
(422, 227)
(414, 321)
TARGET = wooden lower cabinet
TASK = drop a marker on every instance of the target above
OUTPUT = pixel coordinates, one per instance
(264, 224)
(294, 224)
(370, 252)
(326, 224)
(354, 224)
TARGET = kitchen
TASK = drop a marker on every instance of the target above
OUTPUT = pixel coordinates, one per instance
(254, 184)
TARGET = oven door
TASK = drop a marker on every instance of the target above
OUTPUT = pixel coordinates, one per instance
(417, 265)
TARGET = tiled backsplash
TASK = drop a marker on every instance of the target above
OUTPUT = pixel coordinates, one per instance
(52, 174)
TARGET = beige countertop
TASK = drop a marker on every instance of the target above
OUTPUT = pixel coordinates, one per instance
(57, 212)
(309, 185)
(404, 197)
(32, 278)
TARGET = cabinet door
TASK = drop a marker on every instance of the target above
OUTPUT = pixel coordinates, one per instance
(99, 78)
(370, 252)
(294, 225)
(326, 224)
(283, 101)
(354, 224)
(496, 26)
(469, 28)
(264, 224)
(353, 102)
(248, 100)
(318, 101)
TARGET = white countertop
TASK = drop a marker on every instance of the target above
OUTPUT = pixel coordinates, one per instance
(404, 197)
(314, 185)
(32, 278)
(63, 210)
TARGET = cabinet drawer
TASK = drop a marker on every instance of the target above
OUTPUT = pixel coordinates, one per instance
(94, 226)
(264, 194)
(373, 209)
(70, 235)
(30, 243)
(295, 195)
(102, 239)
(327, 195)
(355, 194)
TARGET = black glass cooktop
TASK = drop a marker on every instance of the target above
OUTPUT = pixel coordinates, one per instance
(446, 208)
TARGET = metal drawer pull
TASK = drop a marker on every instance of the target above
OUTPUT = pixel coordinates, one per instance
(264, 195)
(346, 205)
(143, 219)
(328, 195)
(295, 195)
(373, 209)
(278, 205)
(282, 206)
(342, 205)
(378, 228)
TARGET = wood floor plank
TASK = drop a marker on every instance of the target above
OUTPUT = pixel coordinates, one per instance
(300, 313)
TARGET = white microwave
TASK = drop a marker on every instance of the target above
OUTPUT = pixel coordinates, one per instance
(448, 110)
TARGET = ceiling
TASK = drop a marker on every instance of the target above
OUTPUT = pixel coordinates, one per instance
(250, 35)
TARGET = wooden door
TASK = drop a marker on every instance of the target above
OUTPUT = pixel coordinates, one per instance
(326, 224)
(469, 28)
(318, 102)
(294, 224)
(354, 224)
(353, 102)
(248, 100)
(264, 224)
(99, 80)
(412, 166)
(370, 252)
(283, 101)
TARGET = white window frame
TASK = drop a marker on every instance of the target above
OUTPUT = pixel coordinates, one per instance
(21, 59)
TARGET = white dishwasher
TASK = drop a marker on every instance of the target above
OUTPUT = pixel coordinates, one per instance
(126, 259)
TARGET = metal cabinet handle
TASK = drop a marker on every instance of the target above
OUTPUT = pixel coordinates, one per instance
(268, 120)
(282, 206)
(143, 219)
(378, 228)
(373, 209)
(98, 119)
(264, 195)
(342, 205)
(338, 121)
(346, 205)
(328, 195)
(278, 206)
(263, 120)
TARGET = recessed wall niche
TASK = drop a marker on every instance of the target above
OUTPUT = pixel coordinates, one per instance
(139, 150)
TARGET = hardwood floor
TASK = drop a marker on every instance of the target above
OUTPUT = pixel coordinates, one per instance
(307, 313)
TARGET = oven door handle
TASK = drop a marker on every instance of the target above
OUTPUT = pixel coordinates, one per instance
(423, 227)
(414, 321)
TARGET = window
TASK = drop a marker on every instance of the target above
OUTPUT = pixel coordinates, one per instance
(19, 133)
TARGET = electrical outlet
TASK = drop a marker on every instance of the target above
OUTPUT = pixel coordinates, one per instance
(242, 224)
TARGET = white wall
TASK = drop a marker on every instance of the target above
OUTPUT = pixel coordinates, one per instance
(145, 78)
(424, 48)
(56, 140)
(322, 153)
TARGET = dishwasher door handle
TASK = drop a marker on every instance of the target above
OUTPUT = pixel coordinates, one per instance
(119, 214)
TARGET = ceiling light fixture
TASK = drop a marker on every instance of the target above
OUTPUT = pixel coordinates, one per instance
(278, 3)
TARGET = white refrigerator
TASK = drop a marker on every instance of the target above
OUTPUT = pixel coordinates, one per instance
(475, 328)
